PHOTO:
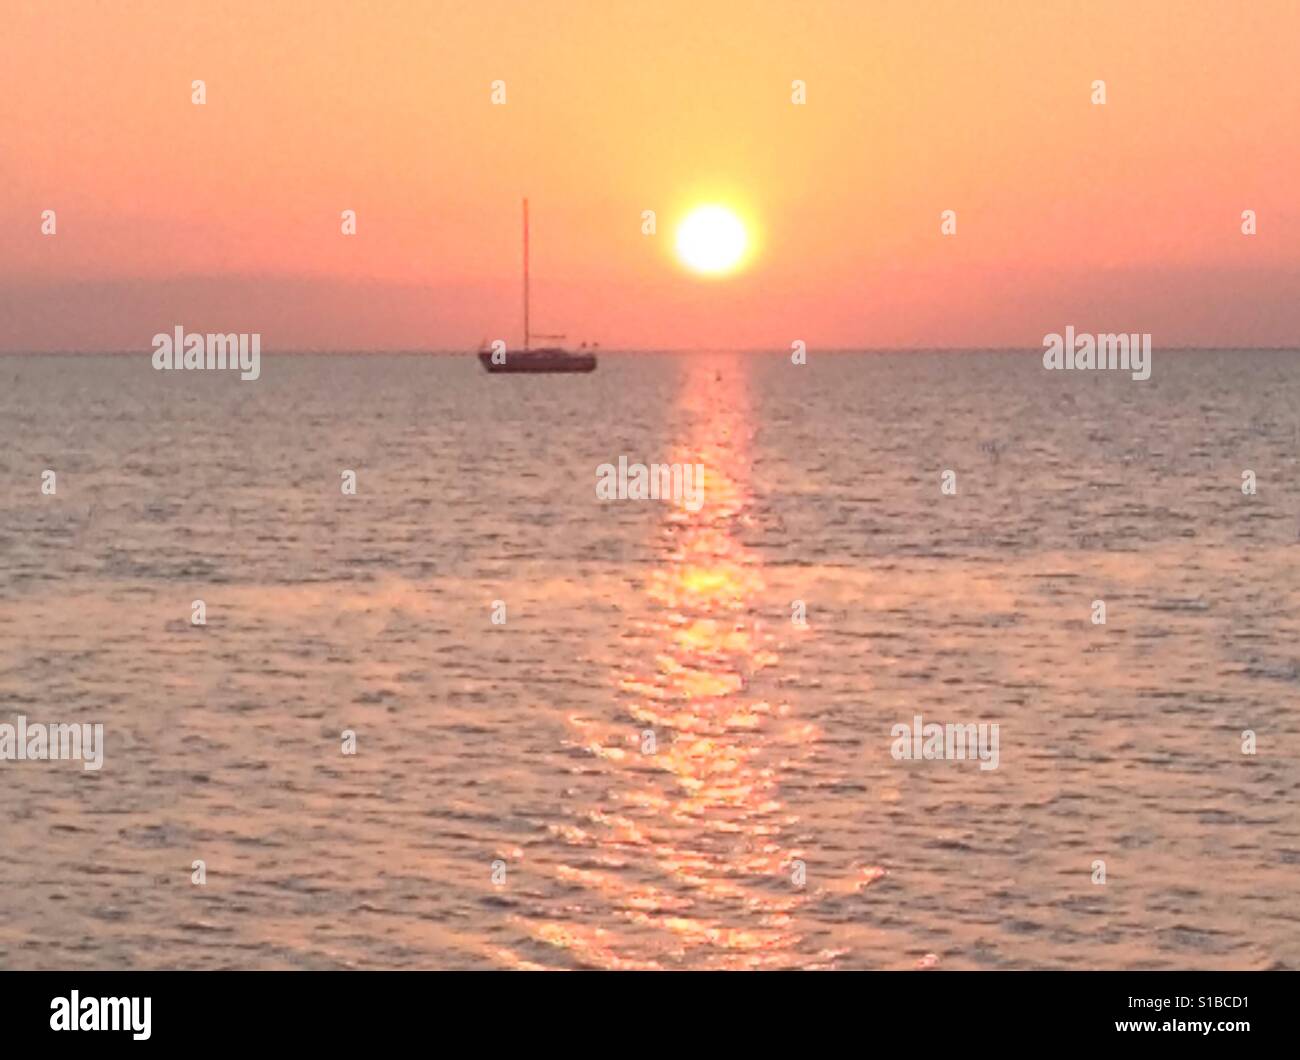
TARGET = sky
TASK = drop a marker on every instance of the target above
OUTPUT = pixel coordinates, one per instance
(226, 216)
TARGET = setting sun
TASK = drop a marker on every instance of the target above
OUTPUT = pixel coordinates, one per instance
(711, 240)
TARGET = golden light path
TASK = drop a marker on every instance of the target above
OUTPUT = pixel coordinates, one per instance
(699, 872)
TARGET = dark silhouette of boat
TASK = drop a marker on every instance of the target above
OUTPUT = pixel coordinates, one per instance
(547, 359)
(544, 359)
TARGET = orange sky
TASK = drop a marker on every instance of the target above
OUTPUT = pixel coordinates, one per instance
(1123, 217)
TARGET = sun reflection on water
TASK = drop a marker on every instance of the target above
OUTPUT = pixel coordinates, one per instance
(693, 864)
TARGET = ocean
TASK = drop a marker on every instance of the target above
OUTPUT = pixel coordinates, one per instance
(629, 734)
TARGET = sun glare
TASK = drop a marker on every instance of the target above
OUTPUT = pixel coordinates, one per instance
(711, 240)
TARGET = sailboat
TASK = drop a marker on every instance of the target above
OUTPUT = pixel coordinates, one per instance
(543, 359)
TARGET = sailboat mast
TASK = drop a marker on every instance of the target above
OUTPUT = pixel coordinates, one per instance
(526, 335)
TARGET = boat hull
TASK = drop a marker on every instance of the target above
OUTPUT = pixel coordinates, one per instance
(545, 361)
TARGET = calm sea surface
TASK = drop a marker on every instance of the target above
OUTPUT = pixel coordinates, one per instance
(523, 743)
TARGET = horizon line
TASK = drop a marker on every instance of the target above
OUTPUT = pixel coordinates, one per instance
(629, 350)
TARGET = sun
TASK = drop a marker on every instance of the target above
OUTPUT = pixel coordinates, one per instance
(711, 240)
